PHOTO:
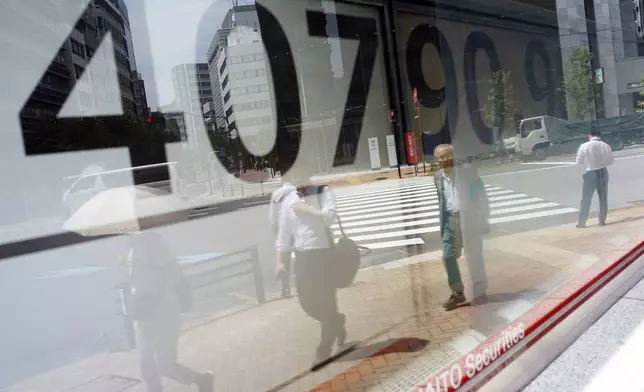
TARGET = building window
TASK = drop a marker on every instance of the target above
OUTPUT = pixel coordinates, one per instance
(259, 56)
(248, 57)
(78, 71)
(255, 121)
(222, 68)
(252, 89)
(77, 48)
(227, 97)
(263, 87)
(60, 56)
(224, 84)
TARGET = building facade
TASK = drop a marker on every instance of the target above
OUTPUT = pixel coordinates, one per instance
(245, 89)
(244, 15)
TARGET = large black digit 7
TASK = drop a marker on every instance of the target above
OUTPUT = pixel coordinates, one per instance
(56, 135)
(475, 41)
(365, 31)
(428, 97)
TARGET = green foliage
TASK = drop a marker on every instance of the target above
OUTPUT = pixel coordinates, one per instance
(640, 103)
(579, 86)
(502, 105)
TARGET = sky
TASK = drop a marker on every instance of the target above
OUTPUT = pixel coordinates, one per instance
(179, 31)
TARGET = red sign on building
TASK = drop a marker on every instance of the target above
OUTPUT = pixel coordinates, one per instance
(410, 146)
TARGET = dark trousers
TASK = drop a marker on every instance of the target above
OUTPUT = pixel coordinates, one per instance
(595, 180)
(317, 295)
(158, 336)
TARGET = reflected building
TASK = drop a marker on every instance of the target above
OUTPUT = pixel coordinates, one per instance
(191, 85)
(112, 17)
(238, 18)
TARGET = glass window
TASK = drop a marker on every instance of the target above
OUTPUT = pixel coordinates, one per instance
(192, 245)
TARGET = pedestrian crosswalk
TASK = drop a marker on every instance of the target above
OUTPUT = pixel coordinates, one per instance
(403, 214)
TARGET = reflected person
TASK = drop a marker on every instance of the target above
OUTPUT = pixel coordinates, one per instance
(451, 182)
(274, 213)
(304, 229)
(159, 293)
(595, 156)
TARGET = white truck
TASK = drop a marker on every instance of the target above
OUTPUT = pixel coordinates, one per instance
(543, 136)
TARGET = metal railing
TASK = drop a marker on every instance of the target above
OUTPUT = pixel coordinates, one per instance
(202, 276)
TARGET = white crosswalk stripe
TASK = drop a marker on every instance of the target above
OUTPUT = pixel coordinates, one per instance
(399, 215)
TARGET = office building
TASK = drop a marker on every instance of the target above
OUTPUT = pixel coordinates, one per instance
(243, 15)
(191, 85)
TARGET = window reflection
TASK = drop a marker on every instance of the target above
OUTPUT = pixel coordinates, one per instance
(290, 160)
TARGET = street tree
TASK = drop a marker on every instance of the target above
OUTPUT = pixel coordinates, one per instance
(579, 85)
(639, 108)
(502, 106)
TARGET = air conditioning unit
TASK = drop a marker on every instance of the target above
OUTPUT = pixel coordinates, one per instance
(637, 15)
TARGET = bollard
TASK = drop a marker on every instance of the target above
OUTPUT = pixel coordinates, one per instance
(257, 276)
(261, 187)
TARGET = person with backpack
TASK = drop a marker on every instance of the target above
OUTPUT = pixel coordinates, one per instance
(463, 206)
(305, 229)
(159, 293)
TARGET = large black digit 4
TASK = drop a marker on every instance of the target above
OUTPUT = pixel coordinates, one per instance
(364, 30)
(55, 135)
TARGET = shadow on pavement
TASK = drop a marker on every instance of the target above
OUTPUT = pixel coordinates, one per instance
(391, 346)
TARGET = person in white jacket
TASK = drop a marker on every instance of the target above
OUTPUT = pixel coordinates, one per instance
(274, 214)
(304, 228)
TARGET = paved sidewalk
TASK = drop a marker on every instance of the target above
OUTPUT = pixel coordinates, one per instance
(393, 313)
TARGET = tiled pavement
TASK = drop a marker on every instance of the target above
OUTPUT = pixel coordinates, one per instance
(393, 313)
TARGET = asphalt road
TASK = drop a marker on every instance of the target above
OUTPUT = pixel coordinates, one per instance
(559, 180)
(59, 305)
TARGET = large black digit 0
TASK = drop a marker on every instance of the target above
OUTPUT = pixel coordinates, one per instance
(285, 89)
(475, 41)
(429, 35)
(365, 31)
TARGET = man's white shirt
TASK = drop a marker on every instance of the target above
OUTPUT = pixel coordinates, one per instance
(595, 155)
(298, 232)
